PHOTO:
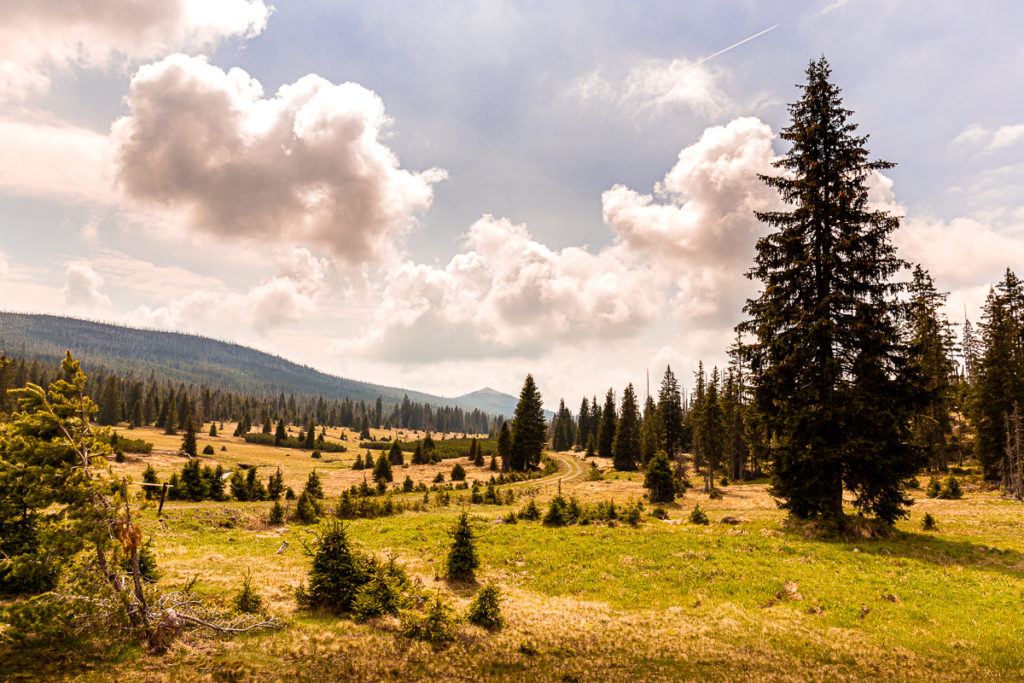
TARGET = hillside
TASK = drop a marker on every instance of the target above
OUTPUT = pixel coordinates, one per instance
(187, 358)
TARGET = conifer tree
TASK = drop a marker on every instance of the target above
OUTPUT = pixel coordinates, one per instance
(505, 447)
(275, 485)
(478, 458)
(110, 403)
(280, 434)
(651, 432)
(314, 487)
(395, 456)
(462, 558)
(170, 415)
(659, 480)
(829, 368)
(710, 430)
(382, 469)
(528, 428)
(310, 440)
(149, 477)
(606, 427)
(188, 443)
(626, 447)
(670, 412)
(583, 425)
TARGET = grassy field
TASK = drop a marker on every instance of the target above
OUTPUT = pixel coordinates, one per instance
(666, 600)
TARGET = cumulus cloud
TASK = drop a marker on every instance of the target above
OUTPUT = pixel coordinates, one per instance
(41, 36)
(307, 164)
(656, 85)
(83, 288)
(990, 139)
(704, 226)
(290, 296)
(509, 295)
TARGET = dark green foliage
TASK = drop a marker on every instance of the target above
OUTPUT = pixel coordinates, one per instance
(478, 454)
(594, 474)
(709, 432)
(951, 488)
(670, 412)
(313, 486)
(213, 429)
(659, 512)
(130, 445)
(188, 443)
(436, 626)
(208, 450)
(632, 513)
(528, 428)
(192, 483)
(315, 455)
(563, 429)
(933, 488)
(458, 473)
(530, 512)
(275, 485)
(928, 523)
(626, 446)
(358, 464)
(247, 600)
(659, 480)
(462, 560)
(239, 491)
(148, 569)
(337, 571)
(382, 469)
(110, 403)
(119, 456)
(276, 516)
(485, 610)
(505, 447)
(557, 514)
(829, 366)
(395, 455)
(698, 516)
(149, 477)
(292, 442)
(308, 508)
(438, 478)
(606, 427)
(418, 457)
(383, 594)
(408, 484)
(253, 486)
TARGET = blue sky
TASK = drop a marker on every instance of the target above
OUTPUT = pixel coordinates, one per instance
(450, 195)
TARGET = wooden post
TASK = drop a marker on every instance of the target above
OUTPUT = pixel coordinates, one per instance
(163, 495)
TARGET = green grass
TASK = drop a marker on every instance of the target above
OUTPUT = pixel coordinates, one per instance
(663, 601)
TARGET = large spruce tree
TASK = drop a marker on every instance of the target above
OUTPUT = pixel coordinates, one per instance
(606, 427)
(670, 410)
(529, 431)
(830, 371)
(626, 447)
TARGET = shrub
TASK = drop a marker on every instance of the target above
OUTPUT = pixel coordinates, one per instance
(714, 494)
(462, 559)
(119, 456)
(933, 488)
(147, 562)
(315, 455)
(724, 481)
(308, 509)
(438, 478)
(208, 450)
(928, 523)
(436, 626)
(337, 572)
(485, 610)
(313, 486)
(248, 600)
(530, 512)
(458, 473)
(557, 514)
(951, 488)
(382, 469)
(659, 480)
(659, 512)
(632, 513)
(408, 484)
(276, 516)
(698, 516)
(382, 594)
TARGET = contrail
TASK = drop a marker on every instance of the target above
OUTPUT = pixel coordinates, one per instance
(745, 40)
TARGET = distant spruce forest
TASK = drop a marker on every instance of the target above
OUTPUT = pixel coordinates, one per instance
(215, 380)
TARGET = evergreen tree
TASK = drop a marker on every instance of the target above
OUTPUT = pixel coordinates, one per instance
(275, 485)
(170, 415)
(659, 480)
(149, 477)
(213, 429)
(999, 375)
(528, 428)
(194, 488)
(382, 469)
(110, 403)
(462, 559)
(188, 443)
(670, 412)
(829, 368)
(417, 455)
(313, 486)
(239, 490)
(931, 355)
(651, 432)
(310, 440)
(478, 458)
(505, 447)
(395, 456)
(583, 425)
(215, 484)
(280, 434)
(626, 447)
(710, 428)
(606, 427)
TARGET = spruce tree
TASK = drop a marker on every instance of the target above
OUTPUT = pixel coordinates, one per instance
(528, 428)
(313, 486)
(280, 434)
(651, 432)
(110, 403)
(188, 443)
(710, 429)
(382, 469)
(478, 458)
(659, 480)
(170, 415)
(626, 447)
(829, 368)
(670, 412)
(395, 456)
(505, 447)
(275, 485)
(606, 427)
(310, 440)
(462, 559)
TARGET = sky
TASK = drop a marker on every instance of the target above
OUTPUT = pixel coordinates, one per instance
(446, 196)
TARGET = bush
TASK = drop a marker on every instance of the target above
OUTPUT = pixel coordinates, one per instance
(462, 559)
(594, 474)
(308, 509)
(382, 594)
(557, 514)
(208, 450)
(659, 480)
(315, 455)
(147, 562)
(248, 600)
(438, 478)
(436, 626)
(632, 513)
(933, 488)
(698, 516)
(951, 488)
(337, 572)
(119, 456)
(485, 610)
(659, 512)
(458, 473)
(276, 516)
(724, 481)
(928, 523)
(530, 512)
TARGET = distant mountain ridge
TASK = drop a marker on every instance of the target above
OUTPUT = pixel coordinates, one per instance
(190, 358)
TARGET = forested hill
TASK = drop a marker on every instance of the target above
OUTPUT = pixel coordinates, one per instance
(190, 358)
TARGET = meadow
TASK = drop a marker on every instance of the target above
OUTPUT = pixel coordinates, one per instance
(762, 599)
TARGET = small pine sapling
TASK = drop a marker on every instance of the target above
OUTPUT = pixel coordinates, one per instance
(248, 600)
(485, 610)
(462, 559)
(698, 516)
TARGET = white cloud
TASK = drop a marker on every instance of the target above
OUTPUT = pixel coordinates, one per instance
(989, 139)
(37, 38)
(3, 264)
(51, 160)
(656, 85)
(288, 297)
(83, 288)
(509, 295)
(304, 165)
